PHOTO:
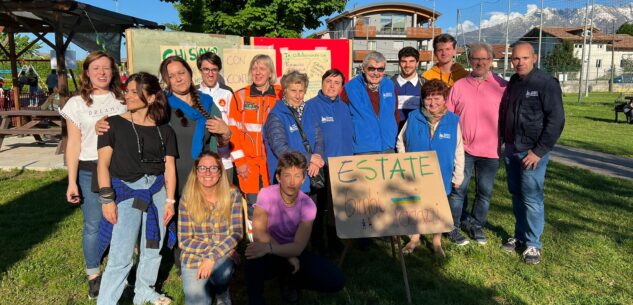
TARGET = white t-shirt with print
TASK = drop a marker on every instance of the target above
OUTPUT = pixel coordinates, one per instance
(85, 118)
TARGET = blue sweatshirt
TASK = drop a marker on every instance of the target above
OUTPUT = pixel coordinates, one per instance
(372, 133)
(335, 121)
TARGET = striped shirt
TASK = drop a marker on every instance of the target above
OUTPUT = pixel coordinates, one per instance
(209, 240)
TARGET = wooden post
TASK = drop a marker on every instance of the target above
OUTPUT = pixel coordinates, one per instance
(15, 90)
(62, 82)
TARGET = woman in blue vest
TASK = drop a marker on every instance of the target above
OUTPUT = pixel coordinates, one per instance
(435, 128)
(284, 130)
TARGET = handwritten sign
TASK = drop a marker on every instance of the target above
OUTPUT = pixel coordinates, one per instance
(236, 63)
(146, 49)
(312, 62)
(188, 53)
(389, 194)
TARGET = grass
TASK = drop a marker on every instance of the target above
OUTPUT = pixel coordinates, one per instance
(591, 125)
(588, 252)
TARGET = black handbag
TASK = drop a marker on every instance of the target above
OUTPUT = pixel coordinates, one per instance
(317, 182)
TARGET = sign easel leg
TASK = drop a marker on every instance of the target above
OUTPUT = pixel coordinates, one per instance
(404, 269)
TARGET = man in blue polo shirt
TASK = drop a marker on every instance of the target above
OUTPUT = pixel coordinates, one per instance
(408, 83)
(373, 105)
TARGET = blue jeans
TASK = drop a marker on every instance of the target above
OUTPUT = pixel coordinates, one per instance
(91, 209)
(200, 291)
(485, 172)
(526, 187)
(125, 233)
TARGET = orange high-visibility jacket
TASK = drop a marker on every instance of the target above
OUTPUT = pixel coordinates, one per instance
(248, 113)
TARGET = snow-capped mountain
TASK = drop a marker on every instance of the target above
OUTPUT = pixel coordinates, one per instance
(494, 29)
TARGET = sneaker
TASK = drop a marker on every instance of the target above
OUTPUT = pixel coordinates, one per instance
(93, 287)
(223, 298)
(532, 256)
(512, 245)
(162, 300)
(456, 237)
(477, 233)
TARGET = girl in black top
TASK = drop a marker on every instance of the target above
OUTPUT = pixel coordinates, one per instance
(137, 163)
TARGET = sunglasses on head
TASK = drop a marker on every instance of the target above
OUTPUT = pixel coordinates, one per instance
(379, 69)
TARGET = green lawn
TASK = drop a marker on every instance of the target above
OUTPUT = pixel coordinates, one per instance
(591, 125)
(588, 252)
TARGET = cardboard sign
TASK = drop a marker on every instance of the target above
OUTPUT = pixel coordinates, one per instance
(236, 63)
(340, 51)
(146, 49)
(389, 194)
(312, 62)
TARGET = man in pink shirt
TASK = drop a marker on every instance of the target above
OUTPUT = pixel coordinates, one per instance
(476, 99)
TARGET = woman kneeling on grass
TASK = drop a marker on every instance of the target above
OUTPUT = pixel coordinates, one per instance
(209, 228)
(136, 162)
(435, 128)
(282, 222)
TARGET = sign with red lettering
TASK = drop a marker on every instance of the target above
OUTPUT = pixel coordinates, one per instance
(389, 194)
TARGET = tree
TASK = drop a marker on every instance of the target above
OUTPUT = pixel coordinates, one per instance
(562, 59)
(21, 41)
(625, 28)
(276, 18)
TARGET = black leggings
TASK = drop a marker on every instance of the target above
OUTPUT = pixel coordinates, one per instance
(315, 273)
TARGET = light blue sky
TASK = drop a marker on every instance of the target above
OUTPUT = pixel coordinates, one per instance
(162, 12)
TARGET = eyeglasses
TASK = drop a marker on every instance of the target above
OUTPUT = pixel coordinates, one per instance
(214, 169)
(379, 69)
(207, 70)
(479, 59)
(139, 144)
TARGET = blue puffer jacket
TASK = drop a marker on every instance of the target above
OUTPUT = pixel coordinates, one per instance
(281, 134)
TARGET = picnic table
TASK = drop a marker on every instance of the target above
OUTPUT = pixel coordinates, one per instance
(42, 122)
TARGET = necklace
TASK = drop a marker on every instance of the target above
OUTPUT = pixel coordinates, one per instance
(139, 144)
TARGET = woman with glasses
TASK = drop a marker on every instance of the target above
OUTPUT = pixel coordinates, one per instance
(209, 228)
(137, 163)
(99, 95)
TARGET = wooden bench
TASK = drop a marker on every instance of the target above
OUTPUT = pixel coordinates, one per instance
(37, 118)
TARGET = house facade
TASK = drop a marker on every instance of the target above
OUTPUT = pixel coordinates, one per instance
(385, 27)
(599, 54)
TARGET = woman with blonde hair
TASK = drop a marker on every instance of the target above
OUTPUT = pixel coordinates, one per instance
(99, 95)
(209, 228)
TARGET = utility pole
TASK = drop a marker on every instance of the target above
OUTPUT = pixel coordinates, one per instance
(593, 11)
(612, 59)
(540, 38)
(582, 58)
(481, 14)
(507, 47)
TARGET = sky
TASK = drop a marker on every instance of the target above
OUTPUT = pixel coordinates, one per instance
(161, 12)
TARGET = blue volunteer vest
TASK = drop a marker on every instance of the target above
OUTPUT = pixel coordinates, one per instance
(444, 141)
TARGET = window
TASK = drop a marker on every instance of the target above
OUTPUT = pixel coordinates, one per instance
(371, 45)
(392, 24)
(598, 63)
(600, 46)
(366, 20)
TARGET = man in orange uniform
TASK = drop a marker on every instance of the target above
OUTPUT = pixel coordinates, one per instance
(249, 111)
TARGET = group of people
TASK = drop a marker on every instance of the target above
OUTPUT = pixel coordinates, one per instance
(197, 166)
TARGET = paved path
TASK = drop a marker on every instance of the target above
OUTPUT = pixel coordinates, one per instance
(597, 162)
(24, 153)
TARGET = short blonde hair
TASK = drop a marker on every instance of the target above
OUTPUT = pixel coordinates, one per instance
(266, 60)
